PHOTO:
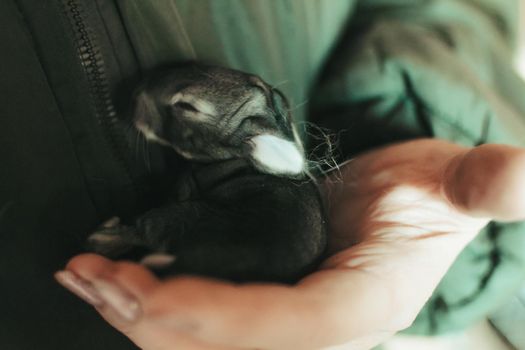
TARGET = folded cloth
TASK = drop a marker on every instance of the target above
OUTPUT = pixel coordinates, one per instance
(435, 69)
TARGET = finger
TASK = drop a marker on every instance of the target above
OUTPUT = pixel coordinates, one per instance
(320, 312)
(138, 280)
(249, 316)
(117, 287)
(121, 284)
(208, 311)
(487, 181)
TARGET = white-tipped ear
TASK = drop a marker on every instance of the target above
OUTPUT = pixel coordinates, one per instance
(276, 155)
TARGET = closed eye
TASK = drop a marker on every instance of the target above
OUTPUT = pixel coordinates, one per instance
(256, 123)
(185, 106)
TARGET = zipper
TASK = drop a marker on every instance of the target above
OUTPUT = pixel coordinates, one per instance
(92, 62)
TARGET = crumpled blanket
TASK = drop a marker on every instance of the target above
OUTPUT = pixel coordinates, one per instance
(435, 69)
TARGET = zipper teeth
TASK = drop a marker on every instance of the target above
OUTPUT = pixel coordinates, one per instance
(92, 62)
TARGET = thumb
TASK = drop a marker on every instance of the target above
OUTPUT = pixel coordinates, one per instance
(488, 181)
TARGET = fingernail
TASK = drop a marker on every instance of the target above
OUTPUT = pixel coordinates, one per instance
(80, 287)
(122, 302)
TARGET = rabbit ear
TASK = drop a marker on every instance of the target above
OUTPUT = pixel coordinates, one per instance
(147, 118)
(145, 109)
(275, 155)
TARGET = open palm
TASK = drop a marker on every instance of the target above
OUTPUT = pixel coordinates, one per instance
(399, 216)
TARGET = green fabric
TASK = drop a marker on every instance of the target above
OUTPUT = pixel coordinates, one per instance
(283, 41)
(441, 69)
(401, 69)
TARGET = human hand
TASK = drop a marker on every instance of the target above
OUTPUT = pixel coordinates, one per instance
(399, 217)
